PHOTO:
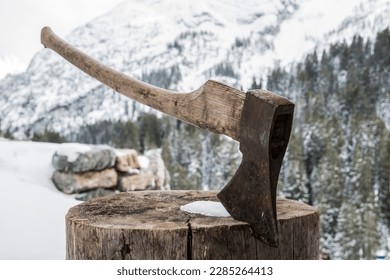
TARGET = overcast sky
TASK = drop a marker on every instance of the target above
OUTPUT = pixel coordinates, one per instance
(21, 22)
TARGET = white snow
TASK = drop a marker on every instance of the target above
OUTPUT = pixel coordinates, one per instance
(207, 208)
(32, 210)
(72, 150)
(300, 34)
(143, 162)
(10, 64)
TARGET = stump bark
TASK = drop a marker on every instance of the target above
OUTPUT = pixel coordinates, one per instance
(150, 225)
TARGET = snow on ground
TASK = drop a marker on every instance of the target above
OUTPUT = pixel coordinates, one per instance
(32, 210)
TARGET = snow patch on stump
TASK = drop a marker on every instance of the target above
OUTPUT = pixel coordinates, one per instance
(206, 208)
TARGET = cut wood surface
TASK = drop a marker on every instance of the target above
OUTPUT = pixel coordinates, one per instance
(150, 225)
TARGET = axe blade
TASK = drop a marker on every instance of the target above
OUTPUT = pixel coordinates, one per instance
(250, 196)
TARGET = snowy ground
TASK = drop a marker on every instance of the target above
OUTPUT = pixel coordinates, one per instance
(32, 210)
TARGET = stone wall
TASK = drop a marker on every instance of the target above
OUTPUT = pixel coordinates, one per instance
(91, 171)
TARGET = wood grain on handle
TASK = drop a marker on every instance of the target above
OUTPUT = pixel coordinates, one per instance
(214, 106)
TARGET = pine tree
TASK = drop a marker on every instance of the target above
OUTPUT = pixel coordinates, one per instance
(207, 154)
(382, 170)
(329, 186)
(294, 177)
(48, 136)
(225, 161)
(326, 79)
(254, 84)
(183, 155)
(277, 80)
(348, 233)
(368, 210)
(360, 191)
(150, 132)
(382, 49)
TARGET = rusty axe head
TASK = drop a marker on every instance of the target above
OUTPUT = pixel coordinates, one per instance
(260, 120)
(250, 196)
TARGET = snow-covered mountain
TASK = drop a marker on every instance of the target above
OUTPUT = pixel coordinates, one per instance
(176, 45)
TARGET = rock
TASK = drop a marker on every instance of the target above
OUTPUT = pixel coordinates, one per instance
(157, 168)
(127, 161)
(138, 182)
(73, 157)
(69, 182)
(85, 196)
(92, 170)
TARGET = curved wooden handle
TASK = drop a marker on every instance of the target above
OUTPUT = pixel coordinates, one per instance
(214, 106)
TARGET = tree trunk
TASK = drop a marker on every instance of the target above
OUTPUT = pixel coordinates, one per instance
(150, 225)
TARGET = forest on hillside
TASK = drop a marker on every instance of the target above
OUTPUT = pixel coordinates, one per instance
(338, 156)
(339, 151)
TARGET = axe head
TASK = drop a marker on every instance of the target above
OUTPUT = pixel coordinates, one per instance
(250, 196)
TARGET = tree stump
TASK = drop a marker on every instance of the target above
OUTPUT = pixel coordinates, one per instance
(150, 225)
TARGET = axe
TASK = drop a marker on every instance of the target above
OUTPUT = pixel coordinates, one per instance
(260, 120)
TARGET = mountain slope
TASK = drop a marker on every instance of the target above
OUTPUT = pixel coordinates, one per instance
(179, 49)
